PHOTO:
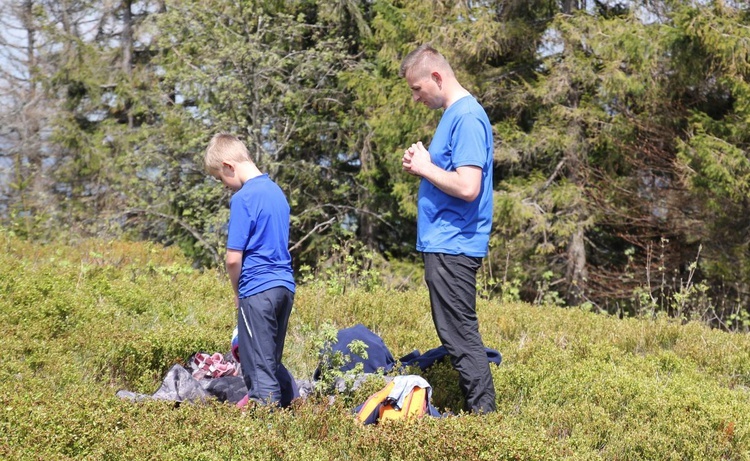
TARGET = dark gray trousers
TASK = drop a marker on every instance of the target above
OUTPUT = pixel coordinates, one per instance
(451, 280)
(262, 324)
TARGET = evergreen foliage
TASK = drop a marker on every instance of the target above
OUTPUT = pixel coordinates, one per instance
(621, 150)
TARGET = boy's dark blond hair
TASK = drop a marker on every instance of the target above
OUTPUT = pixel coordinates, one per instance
(222, 147)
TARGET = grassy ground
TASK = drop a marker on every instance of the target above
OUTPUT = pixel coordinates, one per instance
(79, 323)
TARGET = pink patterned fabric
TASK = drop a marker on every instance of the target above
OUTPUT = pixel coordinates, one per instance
(211, 366)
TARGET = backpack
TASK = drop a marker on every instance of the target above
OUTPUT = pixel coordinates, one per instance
(384, 404)
(414, 406)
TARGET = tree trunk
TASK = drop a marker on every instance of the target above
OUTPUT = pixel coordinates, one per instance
(127, 49)
(570, 6)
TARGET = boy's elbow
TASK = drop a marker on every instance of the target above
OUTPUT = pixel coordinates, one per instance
(231, 264)
(233, 259)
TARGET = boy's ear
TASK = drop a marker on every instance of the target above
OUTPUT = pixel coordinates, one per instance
(227, 164)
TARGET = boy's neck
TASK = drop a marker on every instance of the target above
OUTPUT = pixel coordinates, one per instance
(246, 171)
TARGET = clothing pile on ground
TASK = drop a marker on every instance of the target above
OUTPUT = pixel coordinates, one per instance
(219, 376)
(204, 376)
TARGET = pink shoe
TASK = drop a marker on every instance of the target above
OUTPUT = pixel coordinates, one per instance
(242, 403)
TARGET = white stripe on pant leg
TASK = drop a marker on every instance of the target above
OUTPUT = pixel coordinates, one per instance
(249, 331)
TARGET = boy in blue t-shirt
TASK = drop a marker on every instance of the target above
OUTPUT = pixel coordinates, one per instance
(454, 215)
(260, 268)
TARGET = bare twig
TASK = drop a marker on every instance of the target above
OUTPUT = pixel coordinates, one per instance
(319, 226)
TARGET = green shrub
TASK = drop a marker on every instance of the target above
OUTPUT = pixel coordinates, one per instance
(80, 323)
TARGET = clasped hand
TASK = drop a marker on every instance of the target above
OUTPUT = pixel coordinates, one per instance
(415, 158)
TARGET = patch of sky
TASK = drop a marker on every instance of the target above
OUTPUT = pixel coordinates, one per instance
(654, 190)
(550, 44)
(6, 174)
(349, 159)
(350, 222)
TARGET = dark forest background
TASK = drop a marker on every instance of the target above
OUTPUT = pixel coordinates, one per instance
(622, 144)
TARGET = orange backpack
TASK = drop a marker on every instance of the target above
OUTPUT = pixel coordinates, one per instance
(379, 407)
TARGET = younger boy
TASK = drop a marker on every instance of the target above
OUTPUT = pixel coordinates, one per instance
(259, 266)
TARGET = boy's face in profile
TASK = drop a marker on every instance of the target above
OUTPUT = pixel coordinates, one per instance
(227, 174)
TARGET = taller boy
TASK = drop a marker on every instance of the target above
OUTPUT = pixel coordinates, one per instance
(259, 266)
(454, 214)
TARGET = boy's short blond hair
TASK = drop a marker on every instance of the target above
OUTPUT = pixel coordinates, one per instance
(222, 147)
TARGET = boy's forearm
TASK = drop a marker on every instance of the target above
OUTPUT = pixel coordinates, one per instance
(234, 268)
(234, 277)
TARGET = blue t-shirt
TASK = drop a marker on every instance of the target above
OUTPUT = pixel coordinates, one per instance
(259, 227)
(448, 224)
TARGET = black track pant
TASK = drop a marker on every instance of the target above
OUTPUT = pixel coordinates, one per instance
(262, 324)
(451, 280)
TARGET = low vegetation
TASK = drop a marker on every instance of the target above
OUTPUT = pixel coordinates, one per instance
(81, 322)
